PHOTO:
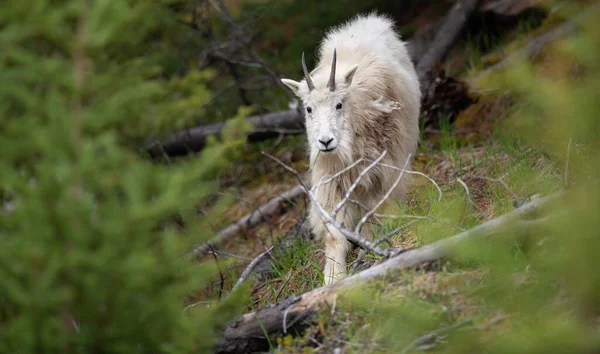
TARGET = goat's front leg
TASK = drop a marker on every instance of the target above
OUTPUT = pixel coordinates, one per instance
(336, 244)
(336, 249)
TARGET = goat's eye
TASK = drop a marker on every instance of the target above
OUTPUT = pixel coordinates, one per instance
(339, 106)
(308, 110)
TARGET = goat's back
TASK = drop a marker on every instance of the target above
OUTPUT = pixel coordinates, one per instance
(365, 37)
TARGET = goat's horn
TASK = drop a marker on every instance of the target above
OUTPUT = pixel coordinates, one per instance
(307, 75)
(331, 83)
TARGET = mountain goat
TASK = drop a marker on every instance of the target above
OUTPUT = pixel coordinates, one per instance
(363, 98)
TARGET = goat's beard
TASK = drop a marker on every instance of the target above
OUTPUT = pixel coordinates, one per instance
(342, 155)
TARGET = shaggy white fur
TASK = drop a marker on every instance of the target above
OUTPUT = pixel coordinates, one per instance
(373, 106)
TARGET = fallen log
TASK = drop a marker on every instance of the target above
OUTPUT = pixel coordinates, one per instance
(274, 206)
(251, 332)
(190, 140)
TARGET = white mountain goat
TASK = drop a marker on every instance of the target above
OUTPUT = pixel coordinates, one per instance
(359, 106)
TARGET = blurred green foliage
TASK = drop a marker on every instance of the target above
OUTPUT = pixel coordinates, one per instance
(90, 257)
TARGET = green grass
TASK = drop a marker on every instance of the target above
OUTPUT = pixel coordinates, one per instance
(297, 272)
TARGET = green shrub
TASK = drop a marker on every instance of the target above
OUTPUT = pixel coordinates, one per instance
(89, 259)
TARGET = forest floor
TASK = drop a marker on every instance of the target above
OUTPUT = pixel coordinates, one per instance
(483, 169)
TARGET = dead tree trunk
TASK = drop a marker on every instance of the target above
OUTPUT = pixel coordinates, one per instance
(445, 37)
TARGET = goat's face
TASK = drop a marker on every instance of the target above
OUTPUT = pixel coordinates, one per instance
(326, 111)
(325, 119)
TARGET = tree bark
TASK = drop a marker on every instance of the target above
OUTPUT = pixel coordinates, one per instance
(247, 334)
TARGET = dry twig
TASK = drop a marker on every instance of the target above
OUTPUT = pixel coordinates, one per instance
(462, 183)
(250, 220)
(514, 195)
(329, 219)
(384, 198)
(396, 217)
(250, 267)
(384, 238)
(355, 184)
(221, 277)
(440, 195)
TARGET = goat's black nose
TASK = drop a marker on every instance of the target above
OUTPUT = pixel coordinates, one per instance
(326, 143)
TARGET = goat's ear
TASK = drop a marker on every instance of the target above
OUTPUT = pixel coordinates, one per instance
(293, 85)
(350, 75)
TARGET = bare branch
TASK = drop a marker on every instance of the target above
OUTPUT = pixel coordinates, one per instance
(395, 231)
(246, 42)
(462, 183)
(515, 197)
(445, 37)
(355, 184)
(226, 254)
(329, 219)
(194, 139)
(250, 220)
(250, 267)
(384, 238)
(396, 217)
(341, 172)
(221, 277)
(385, 197)
(415, 173)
